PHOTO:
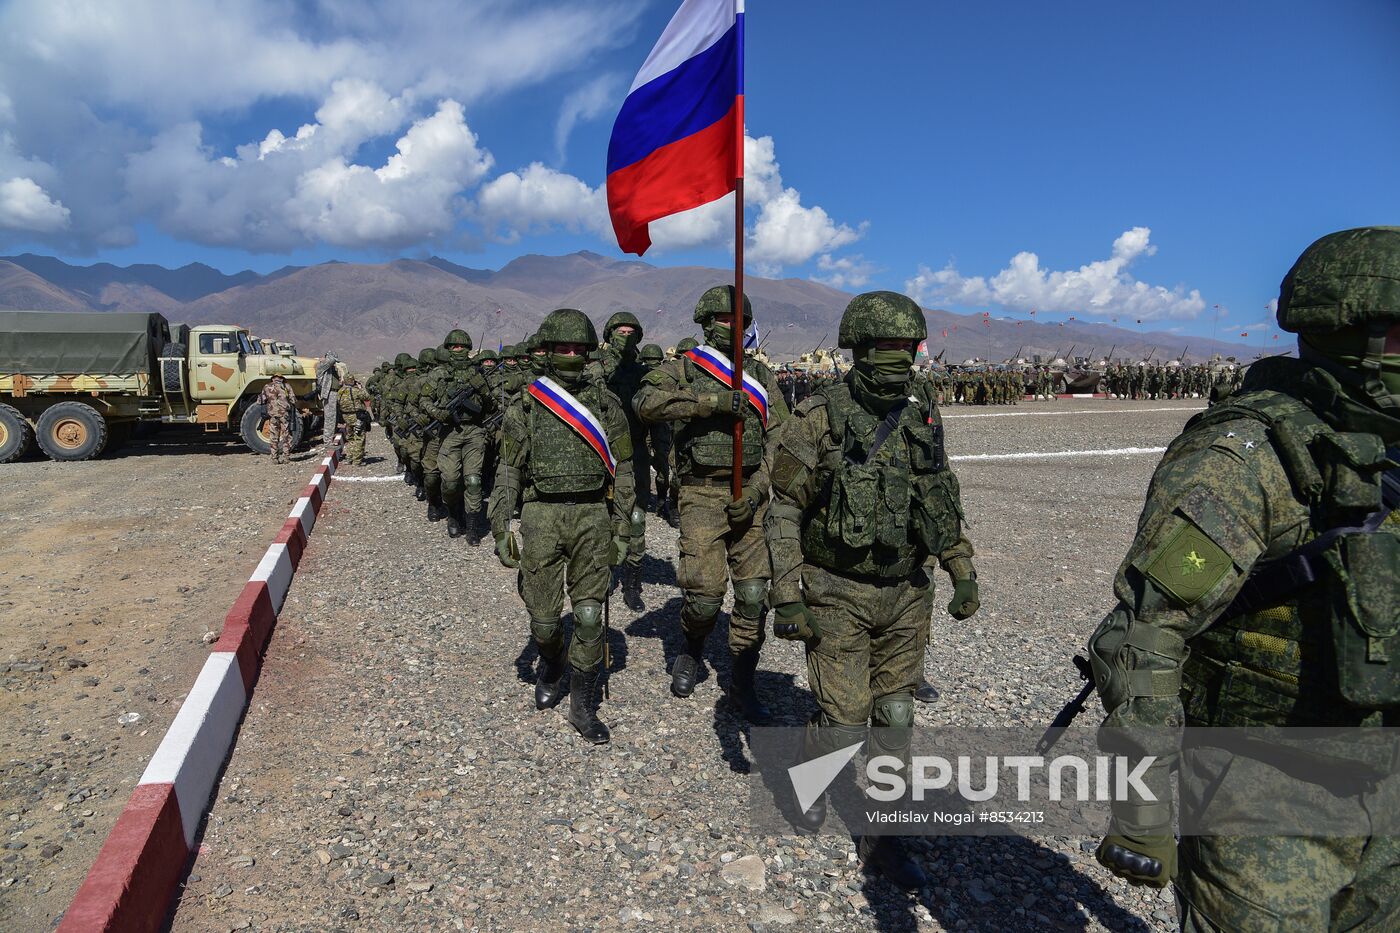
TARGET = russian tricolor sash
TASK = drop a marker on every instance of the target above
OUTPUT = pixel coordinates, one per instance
(717, 365)
(576, 415)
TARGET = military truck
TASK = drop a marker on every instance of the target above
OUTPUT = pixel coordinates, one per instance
(79, 383)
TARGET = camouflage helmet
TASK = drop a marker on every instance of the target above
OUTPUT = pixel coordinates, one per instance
(880, 316)
(720, 300)
(619, 319)
(566, 325)
(651, 353)
(444, 355)
(486, 355)
(427, 357)
(458, 337)
(403, 360)
(1345, 279)
(687, 344)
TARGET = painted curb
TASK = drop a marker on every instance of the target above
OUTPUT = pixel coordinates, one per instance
(133, 882)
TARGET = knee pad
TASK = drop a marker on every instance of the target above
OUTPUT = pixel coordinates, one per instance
(749, 598)
(696, 608)
(895, 711)
(549, 635)
(473, 483)
(588, 621)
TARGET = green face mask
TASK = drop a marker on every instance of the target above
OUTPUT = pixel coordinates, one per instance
(881, 377)
(624, 344)
(567, 367)
(719, 336)
(1346, 349)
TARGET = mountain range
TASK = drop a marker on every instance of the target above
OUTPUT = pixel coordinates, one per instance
(365, 312)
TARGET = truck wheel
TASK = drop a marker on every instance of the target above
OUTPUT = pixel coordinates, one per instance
(71, 431)
(253, 428)
(15, 434)
(171, 369)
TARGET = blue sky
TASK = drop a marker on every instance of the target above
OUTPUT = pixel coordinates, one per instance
(1156, 159)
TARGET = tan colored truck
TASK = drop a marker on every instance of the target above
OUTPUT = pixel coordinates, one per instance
(79, 383)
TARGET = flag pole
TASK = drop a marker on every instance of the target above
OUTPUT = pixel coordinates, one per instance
(739, 327)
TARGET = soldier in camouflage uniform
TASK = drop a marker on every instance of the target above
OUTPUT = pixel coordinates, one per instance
(390, 413)
(437, 371)
(463, 446)
(863, 499)
(353, 401)
(1215, 625)
(280, 404)
(721, 537)
(576, 516)
(659, 443)
(410, 394)
(623, 372)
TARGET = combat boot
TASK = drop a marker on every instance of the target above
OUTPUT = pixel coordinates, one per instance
(456, 525)
(436, 510)
(473, 524)
(550, 681)
(686, 670)
(419, 492)
(583, 705)
(408, 479)
(926, 692)
(888, 857)
(743, 694)
(632, 588)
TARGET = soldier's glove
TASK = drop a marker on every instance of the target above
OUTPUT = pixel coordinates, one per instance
(724, 403)
(965, 603)
(508, 550)
(1148, 859)
(617, 554)
(795, 622)
(740, 511)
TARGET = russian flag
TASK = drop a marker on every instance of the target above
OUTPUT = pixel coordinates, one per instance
(678, 141)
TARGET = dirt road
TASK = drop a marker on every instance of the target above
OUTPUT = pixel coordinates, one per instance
(112, 572)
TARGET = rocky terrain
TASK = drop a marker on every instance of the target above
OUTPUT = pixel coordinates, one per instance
(393, 774)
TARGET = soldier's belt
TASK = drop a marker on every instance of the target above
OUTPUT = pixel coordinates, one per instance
(572, 498)
(721, 479)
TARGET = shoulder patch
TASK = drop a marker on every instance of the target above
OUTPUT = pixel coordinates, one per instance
(1188, 564)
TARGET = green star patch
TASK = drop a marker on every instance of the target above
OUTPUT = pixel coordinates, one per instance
(1188, 565)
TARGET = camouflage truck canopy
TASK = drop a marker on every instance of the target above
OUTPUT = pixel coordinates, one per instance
(38, 343)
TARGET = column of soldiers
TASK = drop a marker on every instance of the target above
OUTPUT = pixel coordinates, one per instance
(576, 432)
(1173, 380)
(1262, 587)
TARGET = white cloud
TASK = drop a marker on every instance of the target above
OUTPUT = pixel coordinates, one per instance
(91, 87)
(26, 206)
(288, 192)
(845, 272)
(537, 199)
(593, 99)
(1104, 285)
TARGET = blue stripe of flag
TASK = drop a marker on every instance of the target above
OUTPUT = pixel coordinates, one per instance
(695, 94)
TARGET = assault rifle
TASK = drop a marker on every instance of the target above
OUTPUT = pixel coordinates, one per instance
(1071, 710)
(459, 406)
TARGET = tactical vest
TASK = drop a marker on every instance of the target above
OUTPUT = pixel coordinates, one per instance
(881, 516)
(705, 446)
(561, 462)
(1312, 638)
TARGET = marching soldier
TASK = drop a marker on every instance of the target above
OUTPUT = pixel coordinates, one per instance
(463, 445)
(1262, 589)
(623, 371)
(565, 447)
(721, 538)
(863, 498)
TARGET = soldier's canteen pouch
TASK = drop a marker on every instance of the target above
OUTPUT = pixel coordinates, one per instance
(1366, 617)
(934, 512)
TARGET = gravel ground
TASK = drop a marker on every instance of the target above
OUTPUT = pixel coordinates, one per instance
(393, 774)
(112, 574)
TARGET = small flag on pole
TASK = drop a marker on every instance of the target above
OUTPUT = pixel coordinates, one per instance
(674, 143)
(751, 336)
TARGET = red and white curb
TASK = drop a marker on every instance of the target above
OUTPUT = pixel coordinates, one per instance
(133, 882)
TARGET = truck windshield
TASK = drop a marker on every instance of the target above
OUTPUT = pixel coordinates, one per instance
(217, 343)
(244, 344)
